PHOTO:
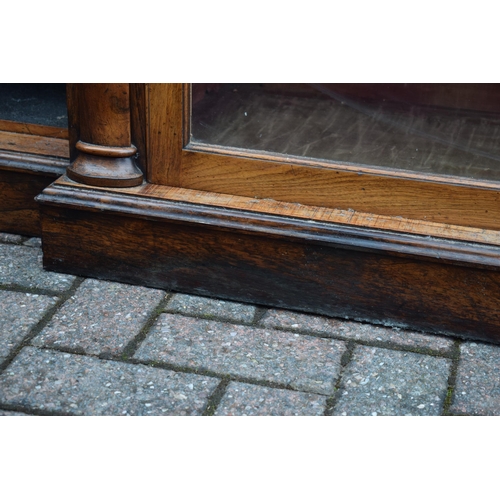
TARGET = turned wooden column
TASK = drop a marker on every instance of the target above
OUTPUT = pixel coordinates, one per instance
(104, 150)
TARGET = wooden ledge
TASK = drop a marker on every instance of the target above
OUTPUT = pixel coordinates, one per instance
(33, 164)
(35, 144)
(149, 192)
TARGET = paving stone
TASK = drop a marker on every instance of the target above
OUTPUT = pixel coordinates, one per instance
(80, 385)
(101, 318)
(277, 318)
(20, 265)
(383, 382)
(5, 413)
(477, 388)
(19, 312)
(33, 242)
(10, 238)
(254, 400)
(298, 361)
(211, 308)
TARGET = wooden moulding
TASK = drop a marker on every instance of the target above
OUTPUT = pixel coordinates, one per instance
(386, 277)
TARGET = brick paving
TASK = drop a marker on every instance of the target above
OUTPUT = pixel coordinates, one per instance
(101, 318)
(478, 381)
(387, 382)
(254, 400)
(75, 346)
(19, 313)
(204, 307)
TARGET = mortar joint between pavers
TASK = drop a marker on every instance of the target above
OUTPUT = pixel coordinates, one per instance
(33, 290)
(211, 317)
(216, 397)
(42, 323)
(33, 411)
(260, 312)
(161, 365)
(452, 379)
(132, 346)
(375, 343)
(219, 375)
(344, 363)
(168, 299)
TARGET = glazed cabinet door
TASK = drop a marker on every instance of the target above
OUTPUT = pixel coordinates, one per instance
(422, 152)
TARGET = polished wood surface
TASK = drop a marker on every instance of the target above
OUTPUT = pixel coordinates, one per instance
(343, 189)
(370, 275)
(105, 114)
(165, 139)
(34, 129)
(105, 154)
(36, 144)
(150, 192)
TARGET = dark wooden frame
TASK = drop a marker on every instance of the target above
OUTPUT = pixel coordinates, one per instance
(237, 225)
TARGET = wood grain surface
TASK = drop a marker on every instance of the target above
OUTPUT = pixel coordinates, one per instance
(343, 189)
(401, 280)
(165, 137)
(36, 144)
(104, 154)
(105, 114)
(150, 192)
(34, 129)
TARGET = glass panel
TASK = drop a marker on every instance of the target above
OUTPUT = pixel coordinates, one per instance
(451, 129)
(39, 103)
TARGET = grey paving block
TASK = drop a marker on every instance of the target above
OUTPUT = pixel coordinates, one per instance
(10, 238)
(383, 382)
(18, 313)
(477, 388)
(277, 318)
(101, 318)
(211, 308)
(21, 265)
(33, 242)
(254, 400)
(75, 384)
(298, 361)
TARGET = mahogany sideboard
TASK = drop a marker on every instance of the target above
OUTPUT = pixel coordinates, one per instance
(373, 203)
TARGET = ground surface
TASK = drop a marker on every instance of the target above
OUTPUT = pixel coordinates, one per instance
(75, 346)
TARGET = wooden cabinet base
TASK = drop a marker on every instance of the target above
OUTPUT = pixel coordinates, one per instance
(390, 278)
(22, 178)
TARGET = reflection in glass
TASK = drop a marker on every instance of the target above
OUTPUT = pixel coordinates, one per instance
(40, 103)
(451, 129)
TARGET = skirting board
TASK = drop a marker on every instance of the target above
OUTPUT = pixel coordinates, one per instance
(23, 177)
(385, 277)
